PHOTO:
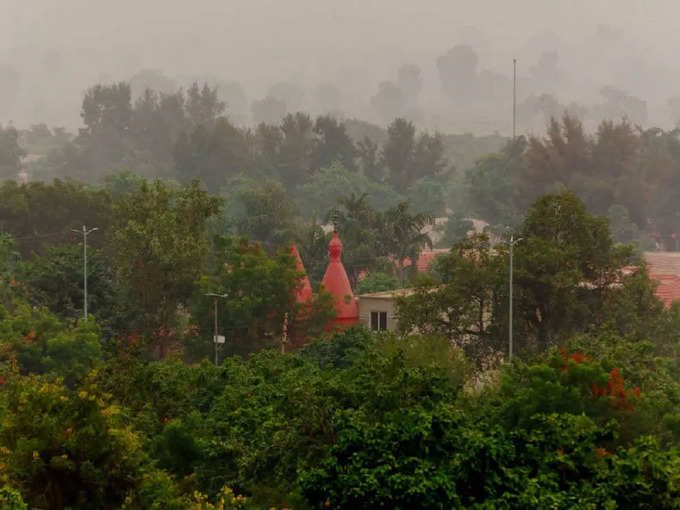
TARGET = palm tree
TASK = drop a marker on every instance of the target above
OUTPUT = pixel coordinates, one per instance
(359, 227)
(403, 234)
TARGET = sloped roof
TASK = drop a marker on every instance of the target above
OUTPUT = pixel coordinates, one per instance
(668, 288)
(425, 258)
(663, 262)
(664, 268)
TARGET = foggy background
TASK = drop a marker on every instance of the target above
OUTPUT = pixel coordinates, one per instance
(445, 65)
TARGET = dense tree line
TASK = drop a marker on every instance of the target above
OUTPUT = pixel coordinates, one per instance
(622, 172)
(189, 134)
(121, 411)
(352, 420)
(161, 245)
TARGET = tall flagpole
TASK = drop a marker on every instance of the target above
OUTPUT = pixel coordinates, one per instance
(514, 98)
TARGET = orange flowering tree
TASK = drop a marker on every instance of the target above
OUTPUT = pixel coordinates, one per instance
(571, 382)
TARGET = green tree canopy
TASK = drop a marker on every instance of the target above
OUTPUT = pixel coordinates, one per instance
(38, 214)
(158, 241)
(10, 153)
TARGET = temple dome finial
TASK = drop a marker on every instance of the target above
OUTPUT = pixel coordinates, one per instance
(335, 248)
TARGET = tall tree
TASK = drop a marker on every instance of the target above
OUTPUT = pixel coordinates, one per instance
(268, 138)
(398, 153)
(10, 153)
(359, 227)
(332, 144)
(497, 185)
(213, 153)
(9, 257)
(203, 105)
(159, 240)
(403, 235)
(408, 157)
(563, 157)
(158, 119)
(566, 264)
(428, 155)
(106, 142)
(459, 302)
(369, 159)
(55, 281)
(320, 193)
(269, 215)
(37, 214)
(295, 155)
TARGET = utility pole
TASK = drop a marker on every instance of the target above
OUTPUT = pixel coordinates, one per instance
(85, 233)
(217, 339)
(514, 99)
(511, 243)
(284, 333)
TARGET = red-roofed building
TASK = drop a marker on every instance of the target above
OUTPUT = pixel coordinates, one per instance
(425, 258)
(664, 268)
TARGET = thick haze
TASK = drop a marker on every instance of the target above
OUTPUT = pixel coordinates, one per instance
(333, 56)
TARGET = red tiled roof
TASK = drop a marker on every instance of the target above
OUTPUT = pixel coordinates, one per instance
(663, 262)
(668, 288)
(664, 268)
(425, 258)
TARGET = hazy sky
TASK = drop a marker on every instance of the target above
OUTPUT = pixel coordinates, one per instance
(352, 43)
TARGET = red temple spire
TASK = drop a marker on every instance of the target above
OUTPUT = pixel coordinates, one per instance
(336, 282)
(304, 293)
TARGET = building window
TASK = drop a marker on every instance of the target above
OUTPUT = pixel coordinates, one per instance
(379, 321)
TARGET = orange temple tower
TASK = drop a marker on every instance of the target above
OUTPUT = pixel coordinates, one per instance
(303, 296)
(336, 282)
(304, 293)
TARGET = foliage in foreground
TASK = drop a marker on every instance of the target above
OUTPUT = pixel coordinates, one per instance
(357, 420)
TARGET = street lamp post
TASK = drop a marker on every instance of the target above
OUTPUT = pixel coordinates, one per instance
(216, 338)
(511, 243)
(85, 233)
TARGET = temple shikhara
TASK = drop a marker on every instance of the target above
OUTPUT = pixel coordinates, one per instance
(336, 282)
(304, 293)
(377, 311)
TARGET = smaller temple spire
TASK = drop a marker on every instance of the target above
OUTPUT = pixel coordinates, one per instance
(304, 293)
